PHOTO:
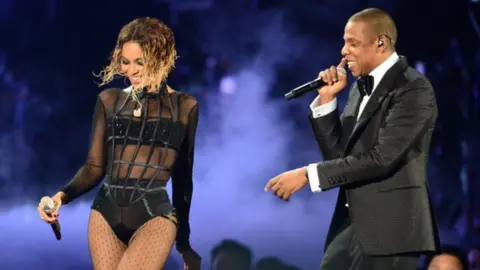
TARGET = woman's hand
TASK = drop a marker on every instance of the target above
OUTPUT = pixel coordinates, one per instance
(51, 216)
(191, 259)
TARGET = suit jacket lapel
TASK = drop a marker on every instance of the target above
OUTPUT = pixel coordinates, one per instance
(384, 87)
(350, 113)
(353, 103)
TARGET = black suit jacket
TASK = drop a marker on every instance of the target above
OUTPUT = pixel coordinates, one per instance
(380, 164)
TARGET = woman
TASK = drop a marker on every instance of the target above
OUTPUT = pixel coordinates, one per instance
(141, 136)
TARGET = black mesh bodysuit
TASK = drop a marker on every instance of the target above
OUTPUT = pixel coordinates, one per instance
(136, 156)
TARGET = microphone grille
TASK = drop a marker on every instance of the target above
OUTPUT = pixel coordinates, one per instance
(342, 70)
(47, 204)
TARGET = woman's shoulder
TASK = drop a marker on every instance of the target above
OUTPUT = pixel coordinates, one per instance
(110, 96)
(185, 99)
(113, 92)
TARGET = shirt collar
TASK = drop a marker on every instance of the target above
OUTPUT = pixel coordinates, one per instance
(380, 71)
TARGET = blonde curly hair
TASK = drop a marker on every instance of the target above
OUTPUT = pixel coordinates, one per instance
(158, 45)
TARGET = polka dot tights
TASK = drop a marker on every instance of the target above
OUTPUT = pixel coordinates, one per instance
(148, 249)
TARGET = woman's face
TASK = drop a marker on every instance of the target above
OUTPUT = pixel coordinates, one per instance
(132, 63)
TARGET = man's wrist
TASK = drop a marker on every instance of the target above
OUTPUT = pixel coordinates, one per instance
(324, 99)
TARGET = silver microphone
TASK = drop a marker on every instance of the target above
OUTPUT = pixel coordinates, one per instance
(48, 206)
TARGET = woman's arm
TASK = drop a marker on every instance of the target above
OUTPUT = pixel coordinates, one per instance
(182, 182)
(92, 172)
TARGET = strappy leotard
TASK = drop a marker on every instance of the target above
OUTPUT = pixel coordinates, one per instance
(136, 156)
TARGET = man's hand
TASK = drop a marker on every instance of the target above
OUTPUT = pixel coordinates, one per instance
(287, 183)
(336, 81)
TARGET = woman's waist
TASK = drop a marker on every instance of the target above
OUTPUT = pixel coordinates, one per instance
(129, 192)
(139, 184)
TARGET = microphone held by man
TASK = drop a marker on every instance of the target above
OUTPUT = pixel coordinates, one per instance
(319, 82)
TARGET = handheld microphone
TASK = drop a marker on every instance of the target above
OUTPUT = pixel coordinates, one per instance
(48, 206)
(310, 86)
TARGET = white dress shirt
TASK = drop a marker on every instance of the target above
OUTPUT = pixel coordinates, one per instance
(321, 110)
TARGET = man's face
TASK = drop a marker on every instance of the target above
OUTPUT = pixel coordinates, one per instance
(445, 262)
(360, 48)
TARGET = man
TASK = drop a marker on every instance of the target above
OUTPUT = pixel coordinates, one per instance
(231, 255)
(376, 153)
(450, 257)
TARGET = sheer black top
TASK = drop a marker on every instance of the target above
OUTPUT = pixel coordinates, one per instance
(153, 147)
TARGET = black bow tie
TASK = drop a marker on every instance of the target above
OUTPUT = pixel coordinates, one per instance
(365, 85)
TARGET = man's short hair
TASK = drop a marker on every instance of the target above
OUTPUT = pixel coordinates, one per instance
(379, 21)
(453, 251)
(232, 246)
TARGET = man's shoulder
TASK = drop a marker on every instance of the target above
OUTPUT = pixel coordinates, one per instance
(412, 76)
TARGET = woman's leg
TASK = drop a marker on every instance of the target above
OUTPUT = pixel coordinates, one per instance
(150, 245)
(106, 250)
